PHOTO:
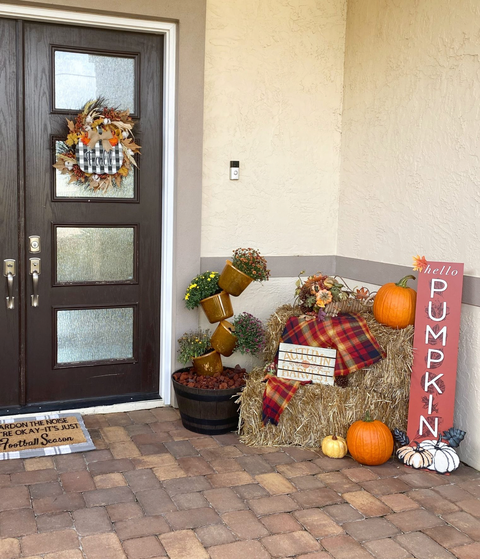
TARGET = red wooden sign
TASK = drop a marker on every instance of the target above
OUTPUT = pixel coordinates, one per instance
(435, 343)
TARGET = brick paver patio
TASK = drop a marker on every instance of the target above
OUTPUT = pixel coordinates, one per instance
(153, 489)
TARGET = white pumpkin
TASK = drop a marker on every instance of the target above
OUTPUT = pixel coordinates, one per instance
(445, 459)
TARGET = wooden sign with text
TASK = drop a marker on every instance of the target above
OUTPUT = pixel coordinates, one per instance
(303, 362)
(435, 350)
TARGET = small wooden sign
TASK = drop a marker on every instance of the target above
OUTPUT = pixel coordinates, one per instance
(303, 362)
(435, 343)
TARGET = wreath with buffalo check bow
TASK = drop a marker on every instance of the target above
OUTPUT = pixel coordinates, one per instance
(99, 150)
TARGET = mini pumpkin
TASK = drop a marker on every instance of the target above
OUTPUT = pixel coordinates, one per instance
(394, 304)
(445, 459)
(334, 447)
(417, 457)
(370, 442)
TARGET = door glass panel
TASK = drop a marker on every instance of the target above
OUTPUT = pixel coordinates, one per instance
(81, 77)
(94, 335)
(66, 189)
(95, 254)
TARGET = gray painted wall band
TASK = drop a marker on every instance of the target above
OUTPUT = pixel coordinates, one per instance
(281, 266)
(368, 271)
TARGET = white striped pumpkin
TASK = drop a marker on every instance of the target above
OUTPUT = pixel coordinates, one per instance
(445, 459)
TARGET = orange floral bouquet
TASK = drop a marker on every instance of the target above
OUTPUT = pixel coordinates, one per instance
(317, 291)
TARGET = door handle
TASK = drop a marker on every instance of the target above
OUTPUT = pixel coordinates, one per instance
(34, 272)
(9, 273)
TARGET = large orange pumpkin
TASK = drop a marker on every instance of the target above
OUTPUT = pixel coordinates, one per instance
(394, 304)
(370, 442)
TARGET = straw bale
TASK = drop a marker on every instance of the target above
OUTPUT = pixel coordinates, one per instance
(318, 410)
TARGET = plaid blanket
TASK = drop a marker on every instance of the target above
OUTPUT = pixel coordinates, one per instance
(349, 334)
(278, 392)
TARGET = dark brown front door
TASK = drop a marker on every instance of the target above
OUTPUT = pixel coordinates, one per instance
(84, 323)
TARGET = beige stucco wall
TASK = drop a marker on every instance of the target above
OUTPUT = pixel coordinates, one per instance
(410, 169)
(273, 97)
(410, 155)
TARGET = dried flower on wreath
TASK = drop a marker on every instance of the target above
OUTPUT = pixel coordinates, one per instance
(99, 150)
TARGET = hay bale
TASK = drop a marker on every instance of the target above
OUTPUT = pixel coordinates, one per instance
(317, 410)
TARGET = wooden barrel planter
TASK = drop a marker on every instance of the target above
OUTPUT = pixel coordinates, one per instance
(209, 412)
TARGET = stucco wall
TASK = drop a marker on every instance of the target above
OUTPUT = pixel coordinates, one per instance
(467, 398)
(410, 167)
(273, 97)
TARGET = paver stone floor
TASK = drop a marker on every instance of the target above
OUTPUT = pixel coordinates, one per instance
(153, 489)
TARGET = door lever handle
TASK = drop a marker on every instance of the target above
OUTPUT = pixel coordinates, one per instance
(34, 272)
(9, 273)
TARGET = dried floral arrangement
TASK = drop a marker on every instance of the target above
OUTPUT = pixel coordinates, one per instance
(320, 295)
(99, 150)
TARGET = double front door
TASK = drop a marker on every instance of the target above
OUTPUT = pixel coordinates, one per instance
(79, 319)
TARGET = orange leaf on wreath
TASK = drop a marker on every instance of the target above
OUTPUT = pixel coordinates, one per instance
(85, 140)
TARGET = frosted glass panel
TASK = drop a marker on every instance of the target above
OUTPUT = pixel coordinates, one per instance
(86, 254)
(94, 335)
(81, 77)
(64, 189)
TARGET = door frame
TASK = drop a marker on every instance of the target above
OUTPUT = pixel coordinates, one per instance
(169, 31)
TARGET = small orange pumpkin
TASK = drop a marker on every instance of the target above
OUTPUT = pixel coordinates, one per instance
(394, 304)
(370, 442)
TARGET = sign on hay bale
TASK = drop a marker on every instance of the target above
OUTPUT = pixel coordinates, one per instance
(302, 362)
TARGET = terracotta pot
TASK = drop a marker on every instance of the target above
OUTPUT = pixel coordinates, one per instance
(232, 280)
(208, 364)
(223, 339)
(217, 307)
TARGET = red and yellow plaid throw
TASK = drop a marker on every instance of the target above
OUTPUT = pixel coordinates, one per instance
(349, 334)
(278, 392)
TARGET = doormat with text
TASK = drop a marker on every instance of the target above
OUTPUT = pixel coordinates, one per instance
(43, 435)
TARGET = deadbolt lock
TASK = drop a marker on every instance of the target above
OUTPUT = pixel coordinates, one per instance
(34, 244)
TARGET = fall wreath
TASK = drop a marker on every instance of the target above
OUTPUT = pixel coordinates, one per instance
(99, 150)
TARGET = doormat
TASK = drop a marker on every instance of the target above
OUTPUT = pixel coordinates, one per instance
(43, 435)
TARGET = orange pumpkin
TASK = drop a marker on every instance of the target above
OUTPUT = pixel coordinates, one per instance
(394, 304)
(370, 442)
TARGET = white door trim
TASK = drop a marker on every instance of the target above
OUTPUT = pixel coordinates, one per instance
(169, 30)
